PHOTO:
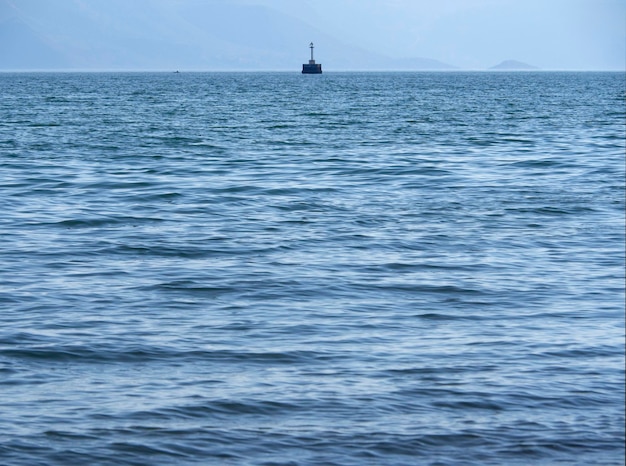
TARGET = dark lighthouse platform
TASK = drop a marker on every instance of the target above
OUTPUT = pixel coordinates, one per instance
(312, 67)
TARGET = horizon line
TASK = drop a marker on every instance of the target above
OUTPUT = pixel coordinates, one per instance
(283, 70)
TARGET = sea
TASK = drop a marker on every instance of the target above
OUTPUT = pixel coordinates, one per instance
(270, 268)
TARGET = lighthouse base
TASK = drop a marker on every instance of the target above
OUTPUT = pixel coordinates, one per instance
(312, 68)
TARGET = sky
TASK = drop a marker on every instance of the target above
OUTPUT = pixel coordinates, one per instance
(349, 34)
(561, 34)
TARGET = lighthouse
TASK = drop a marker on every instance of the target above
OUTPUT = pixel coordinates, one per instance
(312, 67)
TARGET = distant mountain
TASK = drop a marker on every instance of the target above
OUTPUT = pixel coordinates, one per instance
(172, 35)
(424, 64)
(513, 65)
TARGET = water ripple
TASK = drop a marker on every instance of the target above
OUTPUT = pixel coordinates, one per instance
(262, 268)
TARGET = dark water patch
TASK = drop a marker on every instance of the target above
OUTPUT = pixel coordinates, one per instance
(445, 317)
(92, 223)
(106, 353)
(543, 164)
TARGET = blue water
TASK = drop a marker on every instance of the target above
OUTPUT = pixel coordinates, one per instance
(284, 269)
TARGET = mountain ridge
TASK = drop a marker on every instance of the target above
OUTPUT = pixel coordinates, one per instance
(163, 35)
(513, 65)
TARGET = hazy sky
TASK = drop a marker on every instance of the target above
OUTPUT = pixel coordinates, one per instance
(209, 34)
(564, 34)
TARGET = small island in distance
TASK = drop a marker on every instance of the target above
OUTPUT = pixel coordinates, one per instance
(513, 65)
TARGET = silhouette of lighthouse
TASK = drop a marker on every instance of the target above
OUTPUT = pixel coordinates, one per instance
(312, 67)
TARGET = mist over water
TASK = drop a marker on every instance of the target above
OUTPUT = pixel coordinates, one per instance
(348, 268)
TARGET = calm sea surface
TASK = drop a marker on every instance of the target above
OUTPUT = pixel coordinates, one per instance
(286, 269)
